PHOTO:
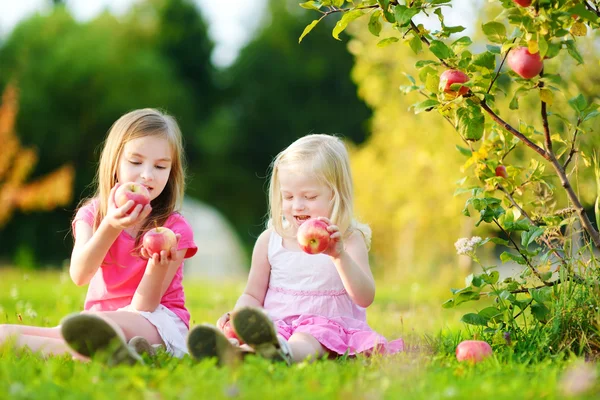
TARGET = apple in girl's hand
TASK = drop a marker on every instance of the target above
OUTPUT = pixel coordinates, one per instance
(524, 63)
(230, 333)
(132, 191)
(501, 171)
(159, 239)
(313, 236)
(450, 77)
(473, 350)
(523, 3)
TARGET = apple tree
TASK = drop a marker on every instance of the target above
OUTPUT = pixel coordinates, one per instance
(534, 206)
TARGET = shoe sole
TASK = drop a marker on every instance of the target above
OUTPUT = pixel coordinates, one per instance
(256, 329)
(141, 346)
(206, 341)
(93, 337)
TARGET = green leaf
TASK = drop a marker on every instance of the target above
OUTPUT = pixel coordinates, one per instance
(311, 5)
(448, 303)
(491, 313)
(461, 43)
(342, 24)
(485, 60)
(387, 41)
(542, 46)
(432, 82)
(374, 23)
(490, 277)
(471, 122)
(440, 49)
(578, 103)
(506, 256)
(415, 44)
(308, 28)
(474, 319)
(426, 105)
(529, 236)
(495, 31)
(500, 241)
(573, 52)
(464, 152)
(540, 312)
(404, 14)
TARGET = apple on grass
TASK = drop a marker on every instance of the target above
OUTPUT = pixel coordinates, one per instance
(159, 239)
(473, 350)
(132, 191)
(313, 236)
(524, 63)
(450, 77)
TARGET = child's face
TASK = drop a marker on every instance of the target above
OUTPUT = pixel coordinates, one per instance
(303, 196)
(146, 160)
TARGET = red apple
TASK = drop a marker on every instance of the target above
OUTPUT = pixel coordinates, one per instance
(132, 191)
(501, 171)
(313, 236)
(524, 63)
(158, 239)
(523, 3)
(229, 332)
(473, 350)
(451, 76)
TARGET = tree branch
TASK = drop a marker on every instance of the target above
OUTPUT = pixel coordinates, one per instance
(544, 112)
(499, 69)
(573, 150)
(512, 130)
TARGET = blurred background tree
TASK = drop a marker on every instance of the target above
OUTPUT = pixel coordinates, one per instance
(77, 78)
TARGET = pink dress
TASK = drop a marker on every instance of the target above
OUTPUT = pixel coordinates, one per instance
(306, 294)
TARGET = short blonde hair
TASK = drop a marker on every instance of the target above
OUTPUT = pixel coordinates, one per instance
(325, 157)
(133, 125)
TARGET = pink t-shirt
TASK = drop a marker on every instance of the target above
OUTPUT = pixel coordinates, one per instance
(115, 282)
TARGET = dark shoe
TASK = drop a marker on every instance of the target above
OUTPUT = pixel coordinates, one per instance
(93, 337)
(206, 341)
(256, 329)
(141, 346)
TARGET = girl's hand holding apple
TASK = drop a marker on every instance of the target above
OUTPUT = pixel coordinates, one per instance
(126, 213)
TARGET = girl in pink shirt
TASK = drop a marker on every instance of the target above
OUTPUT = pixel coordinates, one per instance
(131, 294)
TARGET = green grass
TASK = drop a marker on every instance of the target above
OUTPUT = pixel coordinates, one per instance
(428, 371)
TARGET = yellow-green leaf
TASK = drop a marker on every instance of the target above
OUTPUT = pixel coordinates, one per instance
(547, 96)
(533, 47)
(344, 21)
(578, 29)
(308, 28)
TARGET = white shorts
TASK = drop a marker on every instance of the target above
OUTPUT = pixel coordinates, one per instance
(170, 327)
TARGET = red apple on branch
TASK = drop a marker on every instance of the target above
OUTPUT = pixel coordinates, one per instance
(313, 236)
(132, 191)
(473, 350)
(523, 3)
(450, 77)
(501, 171)
(159, 239)
(524, 63)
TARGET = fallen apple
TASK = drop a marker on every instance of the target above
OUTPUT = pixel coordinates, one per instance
(313, 236)
(524, 63)
(159, 239)
(450, 77)
(501, 171)
(132, 191)
(473, 350)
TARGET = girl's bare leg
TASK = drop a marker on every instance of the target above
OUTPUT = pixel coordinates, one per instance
(129, 324)
(48, 341)
(305, 346)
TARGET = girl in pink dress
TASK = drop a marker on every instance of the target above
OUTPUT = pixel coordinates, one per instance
(130, 294)
(314, 305)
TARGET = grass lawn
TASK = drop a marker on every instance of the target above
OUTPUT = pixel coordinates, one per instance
(428, 371)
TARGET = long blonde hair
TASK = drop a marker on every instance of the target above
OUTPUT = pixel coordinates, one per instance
(133, 125)
(325, 157)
